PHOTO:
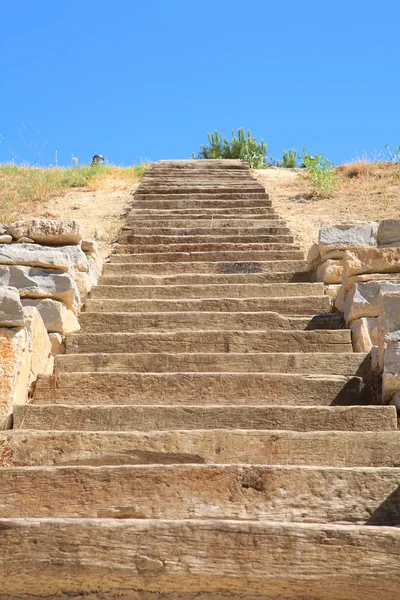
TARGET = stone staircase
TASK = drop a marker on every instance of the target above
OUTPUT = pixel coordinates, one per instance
(209, 434)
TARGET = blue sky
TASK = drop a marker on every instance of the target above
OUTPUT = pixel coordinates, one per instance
(134, 80)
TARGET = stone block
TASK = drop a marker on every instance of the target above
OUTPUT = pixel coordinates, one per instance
(57, 317)
(33, 282)
(389, 232)
(48, 231)
(375, 365)
(90, 247)
(64, 258)
(330, 271)
(11, 313)
(57, 344)
(5, 239)
(95, 268)
(391, 370)
(14, 370)
(313, 256)
(389, 312)
(371, 260)
(363, 299)
(83, 283)
(336, 237)
(350, 281)
(364, 334)
(339, 300)
(42, 362)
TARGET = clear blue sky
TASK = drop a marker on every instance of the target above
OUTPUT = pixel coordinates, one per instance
(149, 79)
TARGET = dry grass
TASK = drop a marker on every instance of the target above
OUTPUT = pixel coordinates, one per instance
(367, 191)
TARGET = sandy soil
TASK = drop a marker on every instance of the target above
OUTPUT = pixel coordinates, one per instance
(101, 212)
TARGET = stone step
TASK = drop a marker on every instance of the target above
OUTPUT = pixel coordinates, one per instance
(302, 305)
(210, 559)
(197, 248)
(201, 362)
(338, 341)
(230, 256)
(205, 279)
(167, 203)
(218, 446)
(257, 493)
(167, 418)
(250, 222)
(191, 321)
(216, 232)
(188, 198)
(208, 291)
(135, 218)
(199, 388)
(203, 212)
(221, 267)
(183, 188)
(153, 240)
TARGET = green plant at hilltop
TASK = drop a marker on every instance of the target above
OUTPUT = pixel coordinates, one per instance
(240, 147)
(321, 173)
(289, 159)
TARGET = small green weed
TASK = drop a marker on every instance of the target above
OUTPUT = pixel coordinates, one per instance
(321, 173)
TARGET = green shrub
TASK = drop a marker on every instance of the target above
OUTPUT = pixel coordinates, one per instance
(289, 159)
(321, 173)
(240, 147)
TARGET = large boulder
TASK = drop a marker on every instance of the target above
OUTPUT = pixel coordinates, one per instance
(56, 316)
(47, 231)
(14, 370)
(337, 237)
(42, 361)
(11, 313)
(371, 260)
(64, 258)
(330, 271)
(363, 299)
(364, 334)
(389, 232)
(32, 282)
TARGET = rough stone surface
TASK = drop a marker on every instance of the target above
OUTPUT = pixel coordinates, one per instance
(48, 232)
(313, 256)
(14, 370)
(5, 239)
(338, 236)
(391, 370)
(389, 232)
(33, 282)
(389, 312)
(351, 281)
(95, 268)
(330, 271)
(371, 260)
(57, 344)
(25, 240)
(57, 317)
(47, 257)
(363, 299)
(90, 247)
(364, 333)
(39, 343)
(11, 313)
(84, 284)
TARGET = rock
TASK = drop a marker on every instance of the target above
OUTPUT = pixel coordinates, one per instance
(11, 312)
(64, 258)
(363, 299)
(56, 316)
(395, 401)
(42, 362)
(48, 231)
(364, 334)
(25, 240)
(32, 282)
(389, 232)
(330, 271)
(341, 236)
(371, 260)
(5, 239)
(95, 268)
(57, 345)
(332, 291)
(375, 366)
(14, 370)
(349, 283)
(313, 256)
(83, 283)
(90, 247)
(389, 313)
(391, 370)
(3, 228)
(339, 300)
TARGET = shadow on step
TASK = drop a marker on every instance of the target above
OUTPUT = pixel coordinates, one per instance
(388, 513)
(365, 391)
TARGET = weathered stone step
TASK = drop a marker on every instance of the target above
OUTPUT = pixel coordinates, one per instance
(198, 388)
(206, 279)
(135, 218)
(220, 267)
(152, 240)
(191, 321)
(331, 495)
(211, 256)
(167, 418)
(204, 212)
(197, 362)
(166, 203)
(338, 341)
(219, 446)
(208, 291)
(212, 559)
(200, 231)
(187, 199)
(218, 222)
(216, 246)
(194, 164)
(303, 305)
(185, 188)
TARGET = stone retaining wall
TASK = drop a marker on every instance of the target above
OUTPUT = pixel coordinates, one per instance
(47, 270)
(360, 262)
